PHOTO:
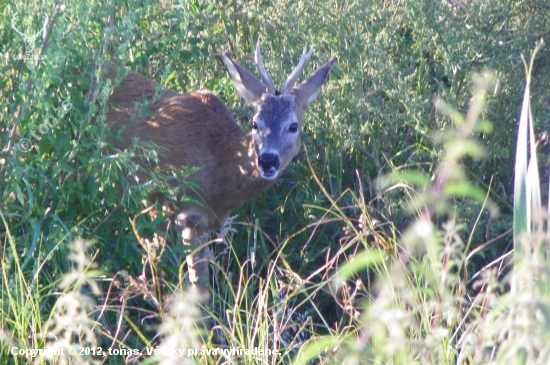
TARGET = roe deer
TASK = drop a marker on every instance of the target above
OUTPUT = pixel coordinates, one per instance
(197, 130)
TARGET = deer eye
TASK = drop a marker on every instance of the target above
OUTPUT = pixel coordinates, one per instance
(254, 125)
(293, 128)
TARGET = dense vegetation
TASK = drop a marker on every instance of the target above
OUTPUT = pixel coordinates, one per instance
(388, 239)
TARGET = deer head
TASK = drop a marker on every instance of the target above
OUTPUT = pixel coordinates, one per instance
(278, 115)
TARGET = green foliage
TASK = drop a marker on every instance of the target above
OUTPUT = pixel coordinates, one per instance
(395, 138)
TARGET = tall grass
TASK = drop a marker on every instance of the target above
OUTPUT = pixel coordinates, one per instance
(382, 244)
(425, 308)
(528, 212)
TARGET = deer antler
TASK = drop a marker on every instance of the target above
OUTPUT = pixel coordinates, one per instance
(29, 38)
(265, 77)
(287, 86)
(15, 16)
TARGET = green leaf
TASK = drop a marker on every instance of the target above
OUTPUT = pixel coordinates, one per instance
(45, 145)
(411, 177)
(357, 263)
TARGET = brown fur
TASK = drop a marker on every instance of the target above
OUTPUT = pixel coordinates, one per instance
(197, 130)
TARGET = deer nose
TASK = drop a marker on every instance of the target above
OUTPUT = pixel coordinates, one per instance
(269, 161)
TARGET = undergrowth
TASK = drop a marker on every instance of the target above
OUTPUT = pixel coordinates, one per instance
(396, 237)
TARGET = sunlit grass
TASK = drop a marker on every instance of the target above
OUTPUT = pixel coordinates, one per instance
(380, 244)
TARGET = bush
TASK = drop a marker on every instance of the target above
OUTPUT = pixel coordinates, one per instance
(61, 177)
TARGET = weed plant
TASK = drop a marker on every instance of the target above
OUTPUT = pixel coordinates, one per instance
(398, 236)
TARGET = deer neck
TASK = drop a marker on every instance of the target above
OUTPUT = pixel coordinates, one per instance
(236, 181)
(238, 178)
(247, 163)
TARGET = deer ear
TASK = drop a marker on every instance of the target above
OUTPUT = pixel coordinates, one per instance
(247, 85)
(307, 91)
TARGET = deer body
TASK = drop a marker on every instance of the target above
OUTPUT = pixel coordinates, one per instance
(198, 130)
